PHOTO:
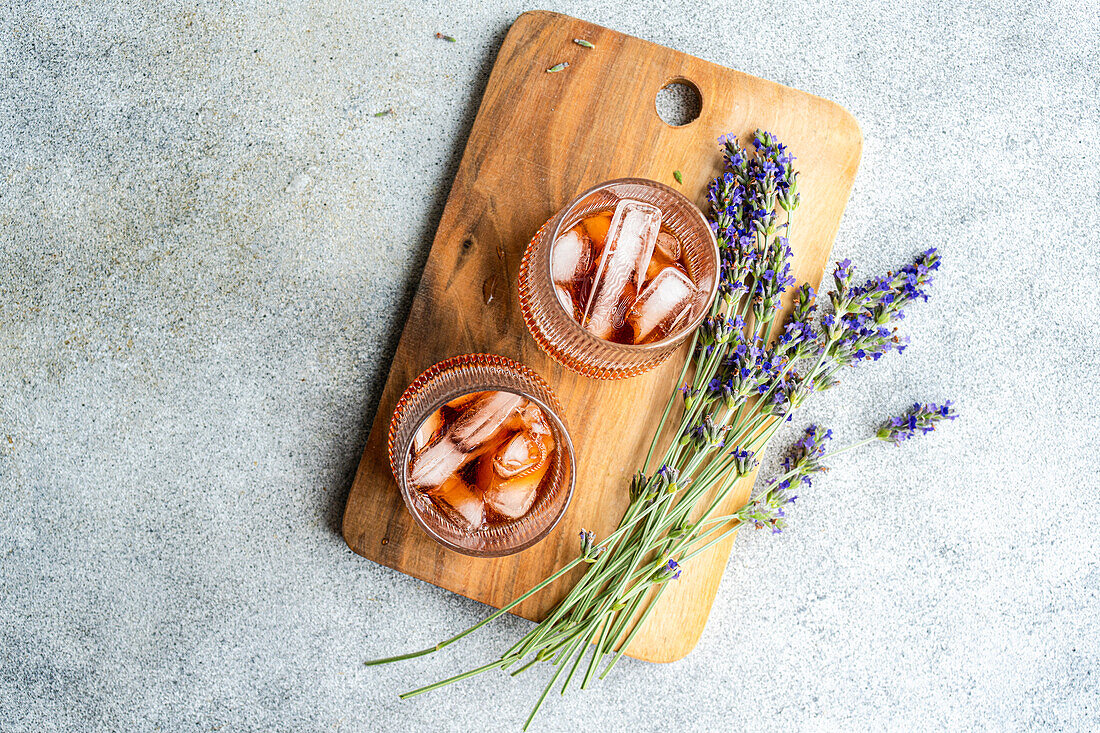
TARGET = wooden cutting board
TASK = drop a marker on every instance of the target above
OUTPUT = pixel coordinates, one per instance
(539, 139)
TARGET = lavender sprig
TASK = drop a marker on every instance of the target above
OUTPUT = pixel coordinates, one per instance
(805, 457)
(920, 419)
(744, 384)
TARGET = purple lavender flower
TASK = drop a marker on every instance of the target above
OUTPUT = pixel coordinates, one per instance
(662, 481)
(805, 456)
(720, 330)
(799, 338)
(743, 461)
(589, 550)
(668, 571)
(722, 389)
(743, 202)
(862, 327)
(885, 296)
(842, 275)
(666, 476)
(766, 511)
(705, 434)
(772, 276)
(919, 419)
(740, 374)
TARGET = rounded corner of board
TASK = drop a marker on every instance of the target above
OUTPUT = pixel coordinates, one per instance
(667, 655)
(855, 132)
(349, 535)
(533, 16)
(847, 124)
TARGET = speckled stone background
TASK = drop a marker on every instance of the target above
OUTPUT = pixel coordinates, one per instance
(208, 244)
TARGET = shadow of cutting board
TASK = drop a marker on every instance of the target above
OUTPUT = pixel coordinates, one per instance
(539, 139)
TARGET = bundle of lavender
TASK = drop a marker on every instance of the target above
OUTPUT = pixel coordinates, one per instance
(738, 388)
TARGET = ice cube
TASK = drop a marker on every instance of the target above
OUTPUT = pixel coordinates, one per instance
(470, 434)
(537, 423)
(623, 262)
(571, 257)
(514, 498)
(564, 298)
(436, 463)
(522, 453)
(482, 418)
(427, 431)
(458, 403)
(510, 477)
(666, 252)
(668, 246)
(528, 460)
(530, 417)
(663, 302)
(461, 503)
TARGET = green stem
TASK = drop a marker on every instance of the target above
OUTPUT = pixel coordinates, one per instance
(845, 449)
(475, 627)
(633, 632)
(542, 697)
(623, 527)
(671, 400)
(449, 680)
(595, 655)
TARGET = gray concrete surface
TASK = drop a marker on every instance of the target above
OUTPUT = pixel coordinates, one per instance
(207, 247)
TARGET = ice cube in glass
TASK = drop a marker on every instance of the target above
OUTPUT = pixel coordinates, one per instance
(623, 262)
(664, 301)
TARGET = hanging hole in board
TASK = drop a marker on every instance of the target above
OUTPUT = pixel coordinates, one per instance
(678, 102)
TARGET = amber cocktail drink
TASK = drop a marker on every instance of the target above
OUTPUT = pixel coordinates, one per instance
(619, 278)
(481, 455)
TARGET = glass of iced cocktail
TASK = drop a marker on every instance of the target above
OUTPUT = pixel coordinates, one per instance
(619, 278)
(481, 455)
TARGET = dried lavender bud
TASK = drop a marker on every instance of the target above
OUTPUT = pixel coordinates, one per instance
(744, 461)
(806, 453)
(919, 419)
(668, 571)
(589, 550)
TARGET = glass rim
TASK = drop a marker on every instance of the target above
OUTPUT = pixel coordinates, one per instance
(669, 341)
(567, 444)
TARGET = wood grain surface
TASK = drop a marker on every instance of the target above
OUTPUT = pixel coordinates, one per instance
(539, 139)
